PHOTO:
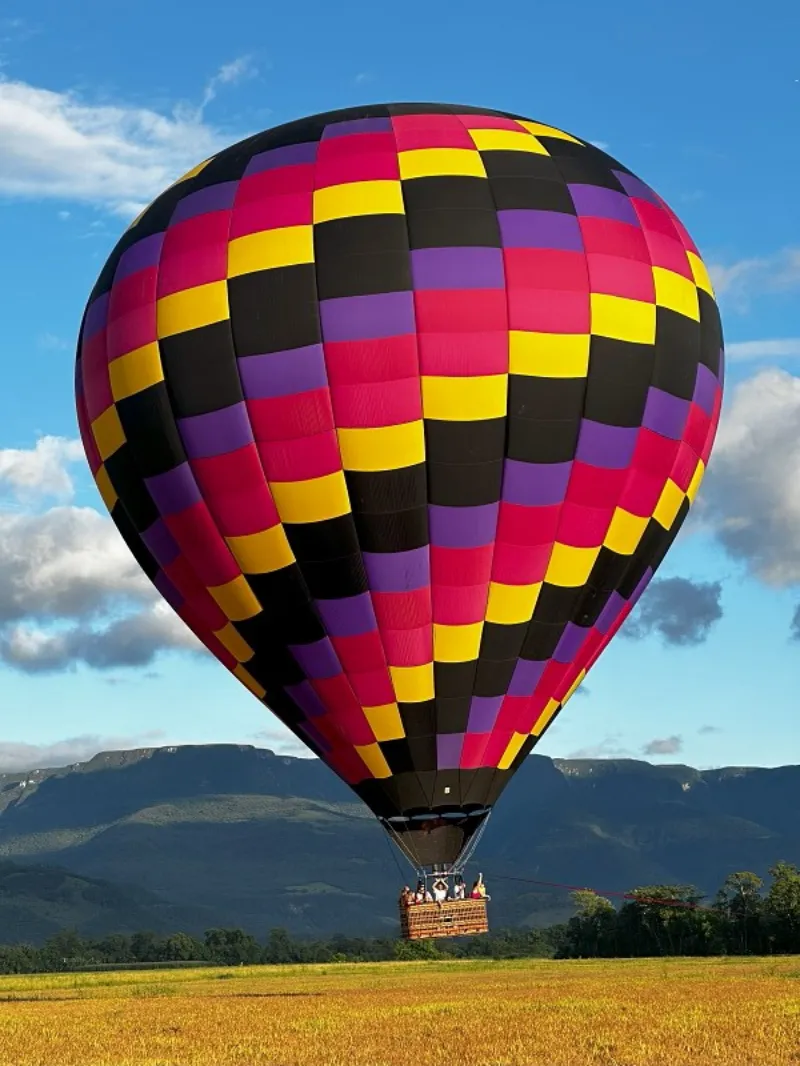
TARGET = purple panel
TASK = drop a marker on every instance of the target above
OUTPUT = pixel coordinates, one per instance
(665, 414)
(611, 447)
(592, 201)
(174, 491)
(526, 677)
(398, 571)
(349, 616)
(570, 643)
(145, 253)
(540, 229)
(463, 527)
(96, 317)
(458, 268)
(160, 543)
(168, 591)
(288, 156)
(483, 713)
(635, 187)
(610, 612)
(357, 125)
(307, 699)
(705, 389)
(535, 484)
(283, 373)
(315, 736)
(358, 318)
(448, 750)
(212, 198)
(317, 660)
(216, 432)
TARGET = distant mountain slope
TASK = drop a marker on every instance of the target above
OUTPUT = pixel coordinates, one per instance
(242, 836)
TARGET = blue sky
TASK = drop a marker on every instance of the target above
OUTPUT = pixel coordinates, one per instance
(99, 112)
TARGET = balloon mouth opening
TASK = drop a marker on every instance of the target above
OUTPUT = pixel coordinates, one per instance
(437, 838)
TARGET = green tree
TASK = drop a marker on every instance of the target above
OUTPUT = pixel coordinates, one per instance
(180, 947)
(739, 902)
(591, 931)
(230, 947)
(782, 908)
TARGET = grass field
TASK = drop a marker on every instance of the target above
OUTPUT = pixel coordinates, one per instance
(670, 1012)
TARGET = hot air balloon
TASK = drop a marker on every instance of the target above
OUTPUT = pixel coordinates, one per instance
(400, 408)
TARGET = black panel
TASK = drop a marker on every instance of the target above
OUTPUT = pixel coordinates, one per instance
(124, 474)
(451, 485)
(135, 543)
(447, 791)
(536, 440)
(452, 715)
(677, 353)
(386, 491)
(465, 442)
(499, 642)
(591, 606)
(453, 228)
(585, 171)
(541, 640)
(556, 604)
(200, 370)
(710, 332)
(362, 255)
(527, 167)
(419, 719)
(523, 194)
(451, 680)
(274, 668)
(475, 785)
(448, 193)
(149, 424)
(399, 532)
(620, 375)
(608, 570)
(328, 539)
(549, 399)
(398, 755)
(271, 292)
(333, 579)
(493, 678)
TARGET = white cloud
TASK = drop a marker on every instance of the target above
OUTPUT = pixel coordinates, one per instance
(751, 495)
(70, 590)
(610, 747)
(780, 348)
(55, 145)
(16, 757)
(680, 611)
(41, 470)
(737, 283)
(663, 746)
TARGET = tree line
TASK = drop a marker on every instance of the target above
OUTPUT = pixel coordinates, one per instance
(744, 917)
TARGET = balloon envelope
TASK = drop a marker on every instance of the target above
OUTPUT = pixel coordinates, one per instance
(400, 408)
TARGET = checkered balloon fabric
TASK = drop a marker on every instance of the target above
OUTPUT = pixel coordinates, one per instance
(400, 408)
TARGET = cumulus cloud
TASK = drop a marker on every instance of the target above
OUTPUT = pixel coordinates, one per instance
(663, 746)
(57, 145)
(70, 590)
(704, 730)
(739, 282)
(16, 757)
(41, 470)
(610, 747)
(680, 611)
(751, 495)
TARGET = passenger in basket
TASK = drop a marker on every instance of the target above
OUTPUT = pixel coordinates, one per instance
(459, 890)
(440, 890)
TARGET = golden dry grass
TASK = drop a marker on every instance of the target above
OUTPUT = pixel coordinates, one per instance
(673, 1012)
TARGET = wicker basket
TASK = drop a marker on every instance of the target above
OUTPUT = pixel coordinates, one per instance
(466, 917)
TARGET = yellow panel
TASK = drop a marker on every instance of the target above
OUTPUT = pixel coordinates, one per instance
(231, 639)
(261, 553)
(385, 722)
(457, 644)
(701, 276)
(248, 680)
(412, 684)
(506, 141)
(192, 308)
(511, 752)
(573, 687)
(372, 757)
(236, 599)
(136, 371)
(697, 479)
(313, 500)
(108, 432)
(538, 129)
(669, 504)
(382, 447)
(358, 198)
(107, 491)
(570, 567)
(676, 292)
(509, 604)
(437, 162)
(549, 355)
(465, 399)
(545, 717)
(623, 319)
(269, 249)
(625, 532)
